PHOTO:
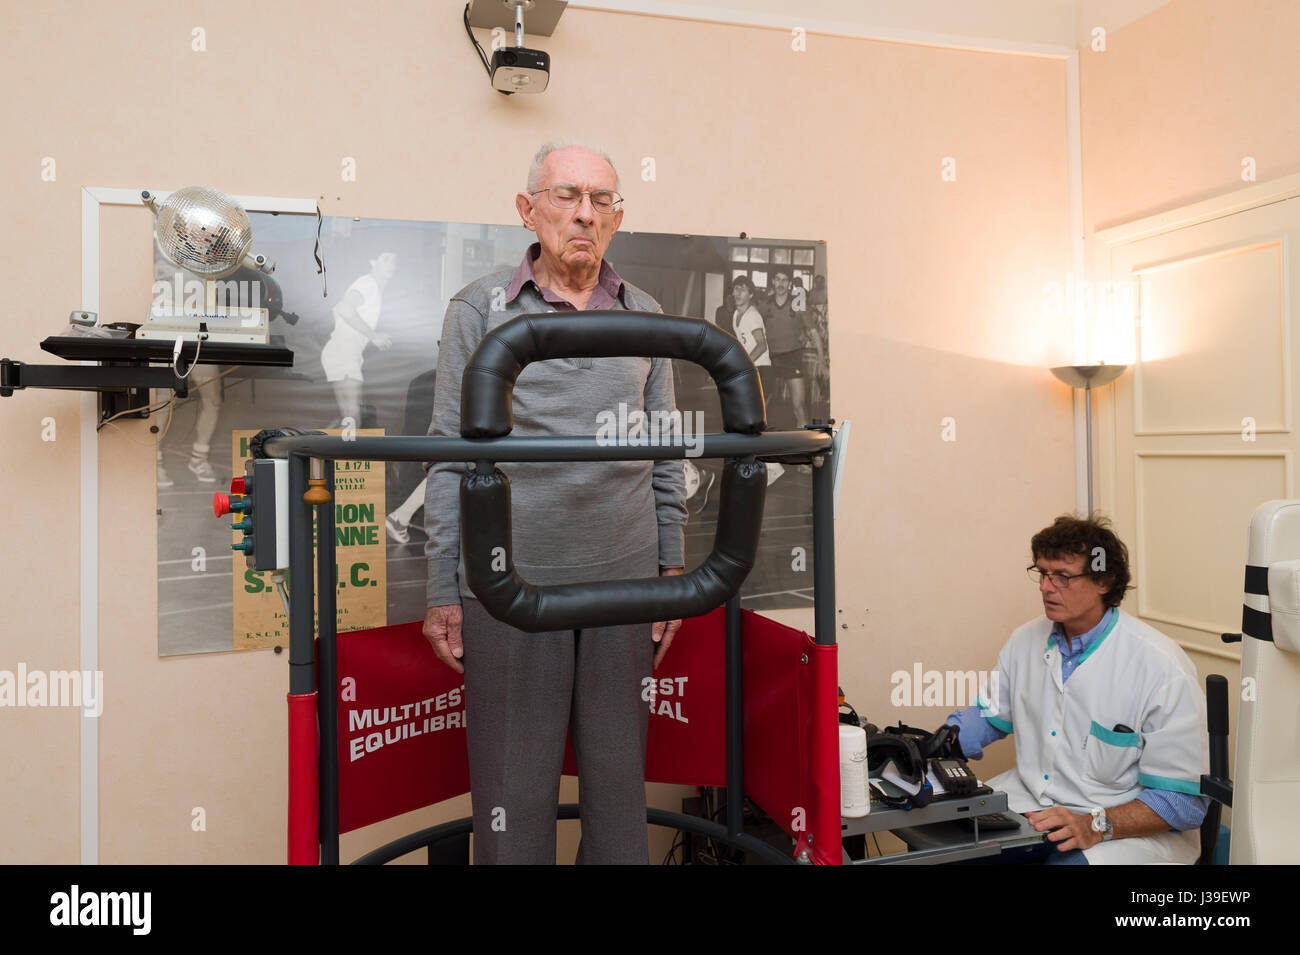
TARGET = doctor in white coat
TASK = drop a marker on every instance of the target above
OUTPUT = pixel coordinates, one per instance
(1106, 711)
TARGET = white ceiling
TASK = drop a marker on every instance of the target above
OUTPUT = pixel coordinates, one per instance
(1110, 14)
(1031, 23)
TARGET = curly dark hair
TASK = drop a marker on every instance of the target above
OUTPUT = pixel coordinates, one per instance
(1092, 539)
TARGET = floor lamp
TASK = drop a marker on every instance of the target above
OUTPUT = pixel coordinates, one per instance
(1087, 377)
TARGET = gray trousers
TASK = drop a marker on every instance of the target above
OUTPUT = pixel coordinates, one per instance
(522, 692)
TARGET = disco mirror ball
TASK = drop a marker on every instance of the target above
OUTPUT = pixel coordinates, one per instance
(203, 230)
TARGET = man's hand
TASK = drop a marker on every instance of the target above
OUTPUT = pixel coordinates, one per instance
(1073, 831)
(1132, 819)
(442, 629)
(664, 631)
(382, 341)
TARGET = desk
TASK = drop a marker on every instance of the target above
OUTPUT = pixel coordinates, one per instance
(933, 834)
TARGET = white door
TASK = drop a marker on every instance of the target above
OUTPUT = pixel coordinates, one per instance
(1200, 431)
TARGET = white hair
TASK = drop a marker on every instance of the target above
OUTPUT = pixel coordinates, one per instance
(539, 159)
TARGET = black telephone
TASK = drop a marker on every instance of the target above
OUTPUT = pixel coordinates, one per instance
(954, 776)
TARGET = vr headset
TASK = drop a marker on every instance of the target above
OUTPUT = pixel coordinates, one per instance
(910, 750)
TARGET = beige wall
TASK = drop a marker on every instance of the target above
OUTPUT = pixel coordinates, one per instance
(1179, 98)
(935, 291)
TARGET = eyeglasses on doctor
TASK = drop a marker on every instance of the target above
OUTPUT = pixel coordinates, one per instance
(1059, 581)
(569, 197)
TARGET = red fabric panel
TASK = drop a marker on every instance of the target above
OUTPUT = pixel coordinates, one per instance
(790, 715)
(401, 725)
(304, 781)
(791, 741)
(686, 741)
(823, 720)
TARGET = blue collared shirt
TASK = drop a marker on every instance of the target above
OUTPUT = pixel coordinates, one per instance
(1181, 810)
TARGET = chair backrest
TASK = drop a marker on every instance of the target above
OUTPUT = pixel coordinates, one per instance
(1267, 773)
(1216, 783)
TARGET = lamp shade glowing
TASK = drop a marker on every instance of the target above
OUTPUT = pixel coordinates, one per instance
(1088, 376)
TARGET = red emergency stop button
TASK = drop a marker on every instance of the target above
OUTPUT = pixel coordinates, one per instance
(224, 504)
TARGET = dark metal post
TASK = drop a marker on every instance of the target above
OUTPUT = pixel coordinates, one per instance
(302, 651)
(304, 806)
(735, 721)
(824, 548)
(327, 705)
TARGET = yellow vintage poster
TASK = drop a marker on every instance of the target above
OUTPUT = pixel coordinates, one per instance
(361, 572)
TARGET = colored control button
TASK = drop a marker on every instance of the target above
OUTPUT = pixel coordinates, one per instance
(237, 486)
(224, 504)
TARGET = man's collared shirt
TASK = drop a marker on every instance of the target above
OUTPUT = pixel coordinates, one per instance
(1074, 650)
(1181, 810)
(608, 292)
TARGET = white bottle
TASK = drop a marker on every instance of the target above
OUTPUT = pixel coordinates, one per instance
(855, 794)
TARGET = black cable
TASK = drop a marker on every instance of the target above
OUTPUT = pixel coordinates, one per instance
(320, 263)
(154, 409)
(709, 849)
(730, 855)
(481, 55)
(148, 410)
(678, 840)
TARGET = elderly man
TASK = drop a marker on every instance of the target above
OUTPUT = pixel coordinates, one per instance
(571, 523)
(1108, 718)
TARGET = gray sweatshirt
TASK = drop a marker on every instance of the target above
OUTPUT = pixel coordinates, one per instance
(572, 522)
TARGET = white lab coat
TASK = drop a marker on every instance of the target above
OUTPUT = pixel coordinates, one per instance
(1067, 752)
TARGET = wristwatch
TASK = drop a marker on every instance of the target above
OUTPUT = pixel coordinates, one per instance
(1101, 823)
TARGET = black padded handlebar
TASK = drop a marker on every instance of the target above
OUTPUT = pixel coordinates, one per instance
(487, 387)
(489, 379)
(489, 563)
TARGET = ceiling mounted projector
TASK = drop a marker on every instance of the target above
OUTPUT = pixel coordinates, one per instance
(520, 70)
(515, 69)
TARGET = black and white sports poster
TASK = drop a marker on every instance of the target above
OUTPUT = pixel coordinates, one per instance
(365, 342)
